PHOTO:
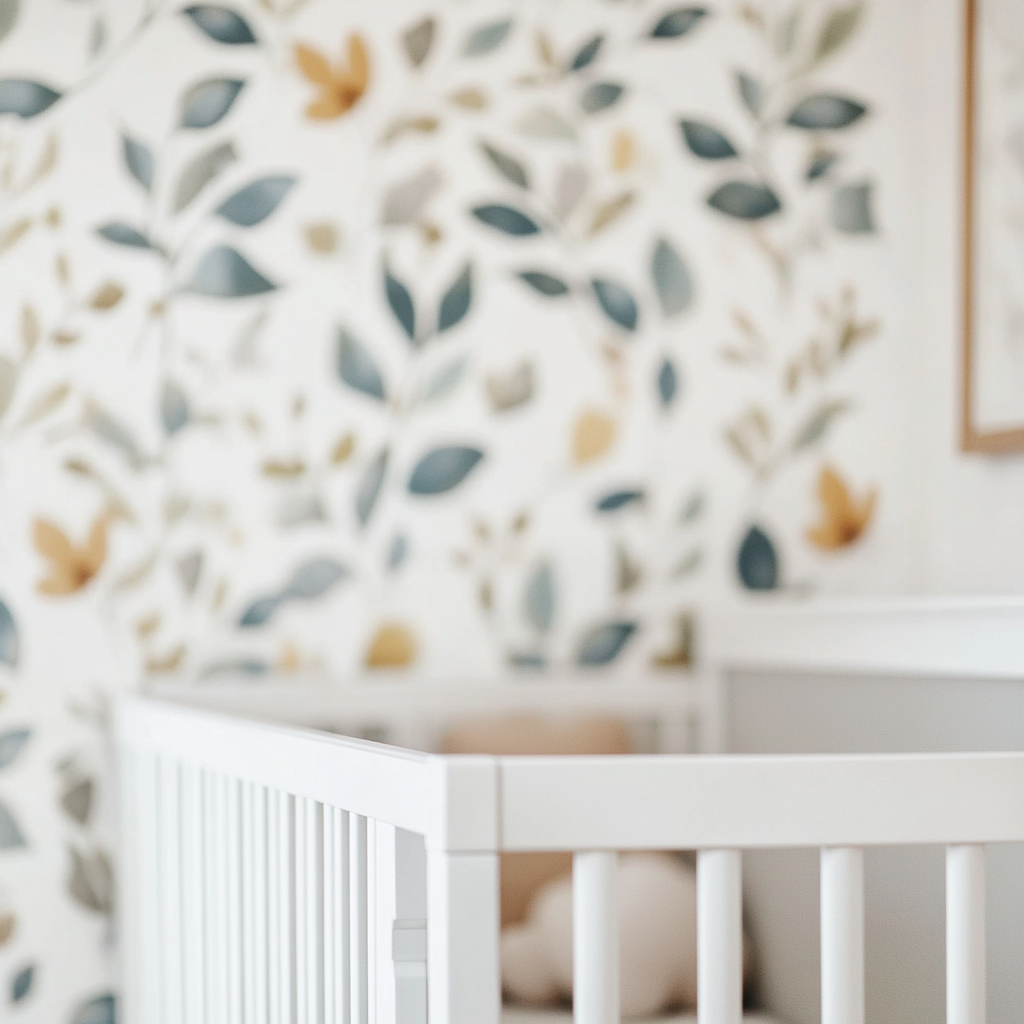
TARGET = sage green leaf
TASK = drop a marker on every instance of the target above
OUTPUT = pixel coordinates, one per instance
(601, 96)
(445, 380)
(200, 171)
(745, 200)
(8, 16)
(254, 203)
(404, 202)
(313, 579)
(603, 644)
(672, 281)
(175, 411)
(837, 29)
(11, 744)
(236, 666)
(850, 209)
(757, 561)
(76, 800)
(443, 469)
(259, 612)
(400, 301)
(224, 273)
(370, 487)
(539, 598)
(139, 161)
(706, 141)
(506, 219)
(208, 102)
(25, 98)
(9, 645)
(545, 123)
(820, 164)
(398, 552)
(21, 984)
(587, 53)
(508, 167)
(617, 302)
(357, 368)
(668, 382)
(124, 234)
(486, 38)
(11, 837)
(91, 883)
(620, 499)
(546, 284)
(678, 22)
(751, 92)
(418, 41)
(8, 383)
(456, 301)
(101, 1010)
(221, 24)
(825, 112)
(818, 423)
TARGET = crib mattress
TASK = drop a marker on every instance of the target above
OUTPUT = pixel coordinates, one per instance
(531, 1015)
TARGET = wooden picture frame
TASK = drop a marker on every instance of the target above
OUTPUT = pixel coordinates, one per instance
(979, 432)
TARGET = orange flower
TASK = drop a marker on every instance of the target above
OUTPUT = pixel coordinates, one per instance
(844, 518)
(341, 87)
(71, 565)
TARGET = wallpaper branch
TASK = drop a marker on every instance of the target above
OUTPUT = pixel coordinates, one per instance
(429, 338)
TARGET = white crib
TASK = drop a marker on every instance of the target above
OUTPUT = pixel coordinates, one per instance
(284, 875)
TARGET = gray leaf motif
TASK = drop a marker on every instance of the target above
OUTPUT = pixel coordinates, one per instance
(820, 164)
(9, 645)
(603, 644)
(400, 301)
(570, 188)
(706, 141)
(545, 123)
(678, 22)
(139, 161)
(443, 469)
(8, 16)
(545, 284)
(357, 368)
(310, 580)
(617, 303)
(370, 487)
(506, 219)
(101, 1010)
(91, 882)
(25, 98)
(208, 102)
(405, 201)
(445, 380)
(850, 209)
(11, 744)
(824, 112)
(486, 38)
(620, 499)
(668, 382)
(8, 383)
(507, 166)
(587, 53)
(11, 837)
(200, 171)
(600, 96)
(672, 281)
(111, 432)
(21, 984)
(221, 24)
(818, 424)
(510, 390)
(751, 92)
(124, 234)
(398, 552)
(174, 408)
(757, 562)
(745, 200)
(456, 301)
(225, 273)
(418, 40)
(539, 598)
(254, 203)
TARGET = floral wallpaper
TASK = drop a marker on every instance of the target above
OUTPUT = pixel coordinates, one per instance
(426, 338)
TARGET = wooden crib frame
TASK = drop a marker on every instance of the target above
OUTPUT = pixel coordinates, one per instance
(278, 875)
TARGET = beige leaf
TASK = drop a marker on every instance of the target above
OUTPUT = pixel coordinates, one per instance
(168, 663)
(570, 187)
(8, 383)
(65, 337)
(30, 329)
(107, 296)
(8, 922)
(14, 233)
(423, 125)
(343, 449)
(593, 435)
(545, 123)
(623, 151)
(91, 882)
(392, 646)
(321, 238)
(283, 469)
(62, 270)
(469, 98)
(610, 211)
(45, 404)
(512, 389)
(405, 202)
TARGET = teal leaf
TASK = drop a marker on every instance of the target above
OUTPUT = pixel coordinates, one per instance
(400, 301)
(21, 984)
(745, 200)
(707, 142)
(824, 112)
(603, 644)
(313, 579)
(486, 38)
(528, 660)
(668, 382)
(398, 552)
(221, 24)
(9, 10)
(851, 209)
(672, 281)
(678, 22)
(11, 743)
(253, 204)
(235, 666)
(10, 834)
(139, 161)
(418, 41)
(539, 598)
(259, 612)
(601, 96)
(225, 273)
(445, 380)
(357, 368)
(508, 167)
(370, 487)
(506, 219)
(124, 234)
(200, 171)
(456, 301)
(9, 645)
(174, 407)
(546, 284)
(751, 92)
(757, 562)
(587, 53)
(618, 304)
(208, 102)
(102, 1010)
(24, 98)
(820, 164)
(442, 469)
(620, 499)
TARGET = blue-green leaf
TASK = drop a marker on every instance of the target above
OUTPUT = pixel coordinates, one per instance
(139, 161)
(313, 579)
(200, 171)
(603, 644)
(757, 562)
(539, 598)
(824, 112)
(547, 284)
(442, 469)
(668, 382)
(707, 142)
(751, 92)
(370, 487)
(745, 200)
(851, 209)
(24, 98)
(672, 280)
(456, 301)
(10, 834)
(600, 96)
(9, 645)
(486, 38)
(236, 666)
(357, 368)
(259, 612)
(398, 552)
(221, 24)
(529, 660)
(821, 164)
(506, 219)
(401, 303)
(102, 1010)
(507, 166)
(208, 102)
(587, 53)
(678, 22)
(620, 499)
(21, 984)
(225, 273)
(124, 234)
(11, 743)
(257, 201)
(174, 407)
(618, 304)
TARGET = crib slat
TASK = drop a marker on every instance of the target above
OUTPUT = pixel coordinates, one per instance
(313, 914)
(341, 968)
(359, 977)
(282, 920)
(233, 887)
(595, 936)
(209, 784)
(169, 881)
(842, 935)
(259, 925)
(194, 953)
(965, 935)
(719, 937)
(248, 889)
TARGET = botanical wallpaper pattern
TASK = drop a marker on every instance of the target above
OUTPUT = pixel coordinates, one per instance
(447, 338)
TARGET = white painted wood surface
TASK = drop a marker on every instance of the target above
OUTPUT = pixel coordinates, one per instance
(719, 937)
(842, 935)
(595, 937)
(965, 935)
